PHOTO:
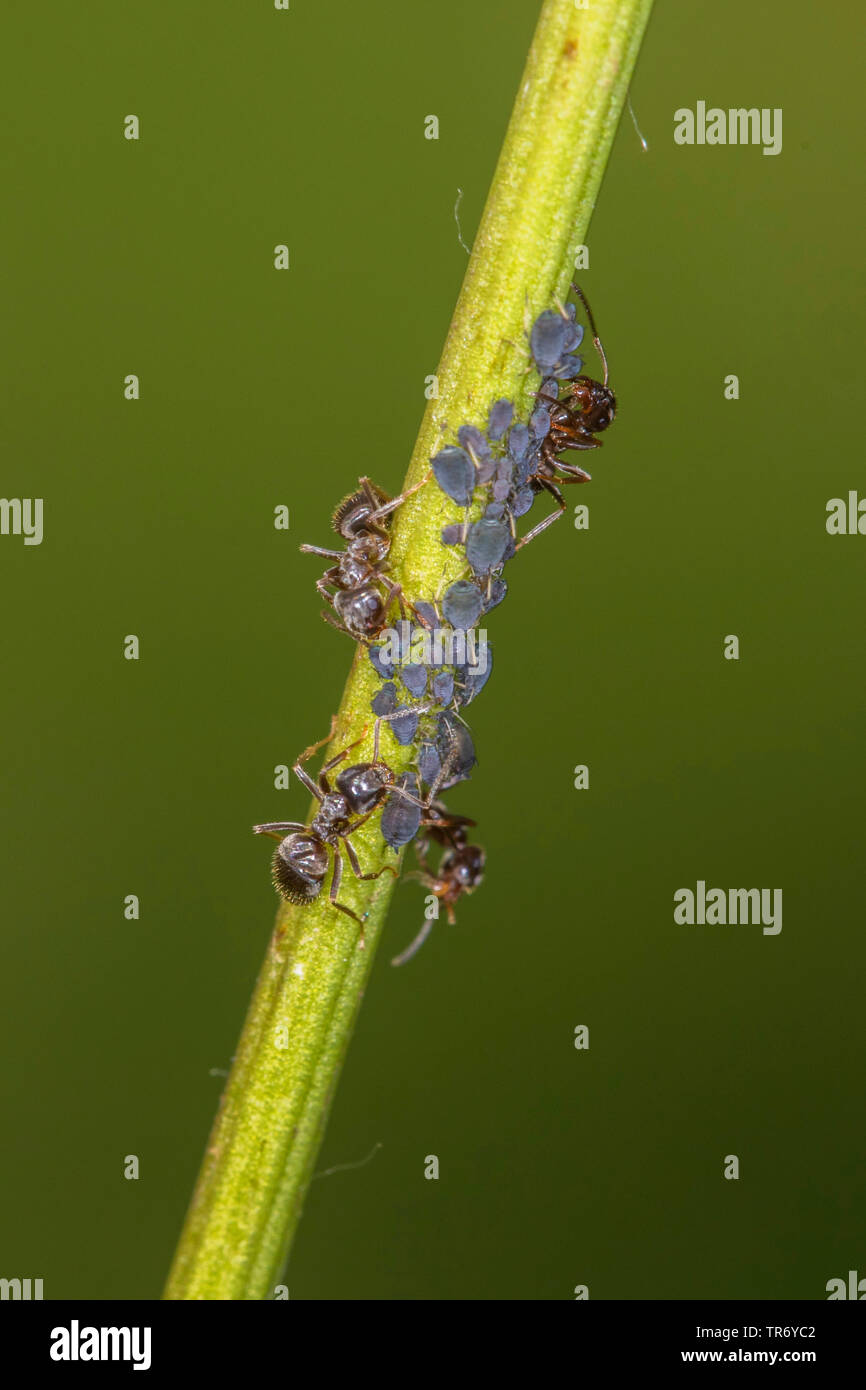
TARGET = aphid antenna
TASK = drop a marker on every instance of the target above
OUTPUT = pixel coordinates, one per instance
(595, 338)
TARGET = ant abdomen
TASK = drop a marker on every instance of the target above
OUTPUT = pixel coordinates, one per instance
(299, 867)
(362, 610)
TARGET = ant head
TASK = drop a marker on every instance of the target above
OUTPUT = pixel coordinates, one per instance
(601, 409)
(299, 867)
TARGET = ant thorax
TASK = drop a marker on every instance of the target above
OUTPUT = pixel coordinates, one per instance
(363, 784)
(331, 817)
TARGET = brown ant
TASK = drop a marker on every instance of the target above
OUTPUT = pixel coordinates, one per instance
(588, 409)
(302, 857)
(461, 868)
(356, 587)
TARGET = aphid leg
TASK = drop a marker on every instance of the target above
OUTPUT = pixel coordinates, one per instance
(548, 520)
(415, 946)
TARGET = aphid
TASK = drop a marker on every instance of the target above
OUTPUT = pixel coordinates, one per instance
(454, 471)
(357, 587)
(588, 409)
(442, 687)
(500, 417)
(472, 678)
(401, 817)
(477, 447)
(304, 852)
(461, 868)
(414, 677)
(487, 542)
(552, 341)
(462, 604)
(429, 763)
(456, 752)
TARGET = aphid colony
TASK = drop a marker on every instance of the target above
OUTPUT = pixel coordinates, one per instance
(427, 682)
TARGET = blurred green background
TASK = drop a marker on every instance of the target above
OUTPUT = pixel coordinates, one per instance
(707, 517)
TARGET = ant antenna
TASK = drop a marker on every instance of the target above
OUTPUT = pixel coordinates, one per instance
(415, 946)
(595, 338)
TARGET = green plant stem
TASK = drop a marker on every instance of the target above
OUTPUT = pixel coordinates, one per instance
(272, 1116)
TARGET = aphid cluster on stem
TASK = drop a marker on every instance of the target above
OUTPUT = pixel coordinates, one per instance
(439, 660)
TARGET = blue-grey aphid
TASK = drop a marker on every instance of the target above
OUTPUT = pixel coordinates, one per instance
(518, 442)
(486, 544)
(494, 596)
(461, 604)
(478, 449)
(471, 680)
(401, 818)
(442, 689)
(404, 726)
(474, 442)
(548, 338)
(501, 489)
(456, 750)
(539, 422)
(381, 665)
(426, 613)
(385, 700)
(414, 677)
(429, 763)
(454, 534)
(574, 336)
(522, 501)
(455, 473)
(569, 367)
(495, 511)
(501, 415)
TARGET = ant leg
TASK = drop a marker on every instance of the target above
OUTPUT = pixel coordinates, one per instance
(276, 828)
(338, 758)
(322, 586)
(314, 747)
(575, 473)
(356, 865)
(570, 434)
(548, 520)
(415, 946)
(395, 502)
(393, 591)
(329, 618)
(334, 889)
(318, 550)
